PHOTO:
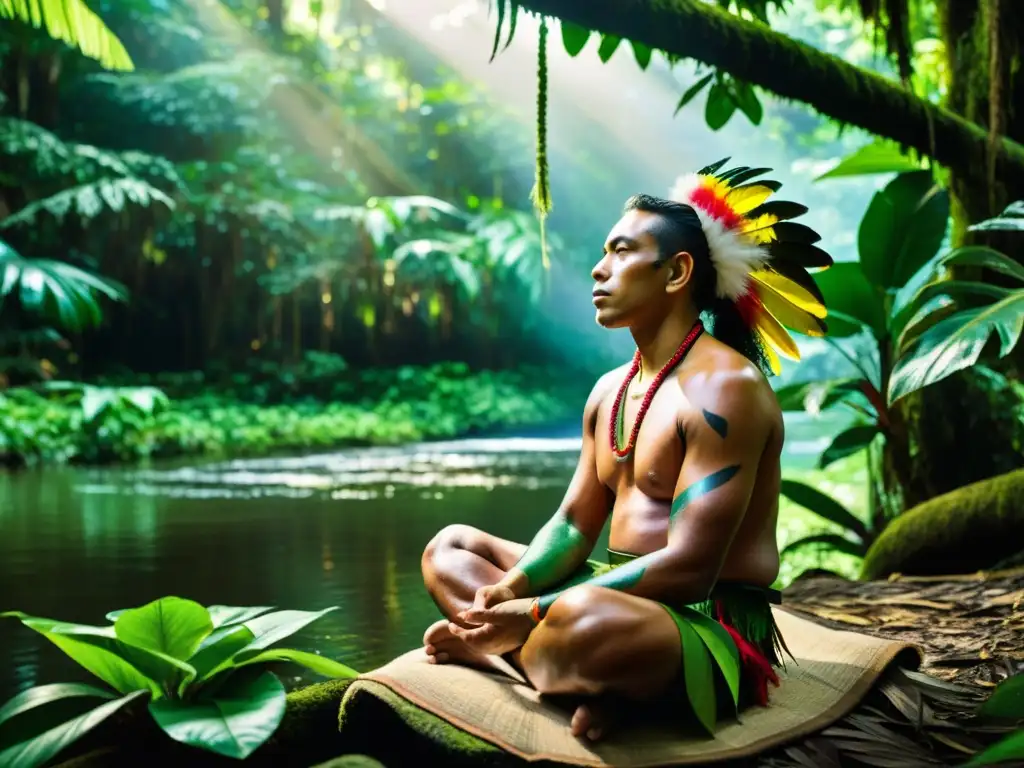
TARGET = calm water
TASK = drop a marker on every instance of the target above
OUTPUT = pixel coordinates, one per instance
(343, 529)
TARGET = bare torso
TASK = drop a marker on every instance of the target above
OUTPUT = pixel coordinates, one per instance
(645, 484)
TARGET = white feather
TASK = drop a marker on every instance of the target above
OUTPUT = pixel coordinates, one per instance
(733, 255)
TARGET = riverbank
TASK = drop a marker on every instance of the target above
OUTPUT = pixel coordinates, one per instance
(124, 421)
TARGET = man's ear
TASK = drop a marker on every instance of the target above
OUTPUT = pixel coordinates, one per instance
(680, 270)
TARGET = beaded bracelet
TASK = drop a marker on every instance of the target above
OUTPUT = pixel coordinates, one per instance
(535, 610)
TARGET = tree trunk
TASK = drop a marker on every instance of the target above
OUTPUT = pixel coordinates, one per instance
(850, 95)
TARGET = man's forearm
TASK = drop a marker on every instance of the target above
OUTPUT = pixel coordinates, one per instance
(557, 550)
(662, 575)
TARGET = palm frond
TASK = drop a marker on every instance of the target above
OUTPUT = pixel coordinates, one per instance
(72, 22)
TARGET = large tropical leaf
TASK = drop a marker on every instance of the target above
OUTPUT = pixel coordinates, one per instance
(225, 615)
(72, 22)
(980, 256)
(847, 291)
(956, 343)
(817, 396)
(311, 661)
(881, 156)
(242, 715)
(171, 625)
(41, 695)
(902, 229)
(124, 667)
(41, 749)
(824, 506)
(64, 295)
(1007, 700)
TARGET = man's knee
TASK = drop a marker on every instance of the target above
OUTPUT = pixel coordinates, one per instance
(563, 655)
(451, 537)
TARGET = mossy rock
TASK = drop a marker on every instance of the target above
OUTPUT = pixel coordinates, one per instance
(966, 530)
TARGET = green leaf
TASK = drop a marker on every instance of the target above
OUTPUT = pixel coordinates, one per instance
(44, 694)
(312, 661)
(693, 90)
(72, 22)
(219, 648)
(847, 291)
(1011, 220)
(881, 156)
(748, 102)
(832, 541)
(721, 646)
(719, 107)
(955, 344)
(574, 37)
(641, 53)
(847, 443)
(698, 676)
(902, 229)
(1005, 750)
(124, 667)
(954, 290)
(824, 506)
(980, 256)
(41, 749)
(275, 627)
(243, 714)
(223, 615)
(608, 45)
(1006, 701)
(170, 625)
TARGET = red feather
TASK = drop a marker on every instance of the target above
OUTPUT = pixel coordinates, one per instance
(716, 207)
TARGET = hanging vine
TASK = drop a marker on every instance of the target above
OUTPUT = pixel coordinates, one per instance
(541, 194)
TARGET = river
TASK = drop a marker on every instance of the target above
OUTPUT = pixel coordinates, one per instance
(341, 529)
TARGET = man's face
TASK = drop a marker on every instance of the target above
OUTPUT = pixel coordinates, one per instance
(628, 288)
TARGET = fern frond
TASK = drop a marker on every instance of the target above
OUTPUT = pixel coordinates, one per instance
(91, 200)
(71, 22)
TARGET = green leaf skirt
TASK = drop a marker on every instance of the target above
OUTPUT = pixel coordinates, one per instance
(730, 643)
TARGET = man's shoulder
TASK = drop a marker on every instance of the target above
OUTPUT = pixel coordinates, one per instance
(722, 380)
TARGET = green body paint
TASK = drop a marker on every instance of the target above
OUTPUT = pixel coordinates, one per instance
(717, 423)
(629, 575)
(702, 487)
(555, 551)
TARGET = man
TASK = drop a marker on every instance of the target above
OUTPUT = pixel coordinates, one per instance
(681, 450)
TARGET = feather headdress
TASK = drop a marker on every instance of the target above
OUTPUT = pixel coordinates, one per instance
(760, 256)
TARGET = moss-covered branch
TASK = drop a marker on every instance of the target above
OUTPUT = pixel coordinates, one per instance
(793, 70)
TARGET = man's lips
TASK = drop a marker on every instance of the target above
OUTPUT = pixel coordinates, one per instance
(600, 292)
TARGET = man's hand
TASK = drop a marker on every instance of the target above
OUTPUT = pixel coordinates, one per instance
(498, 629)
(491, 595)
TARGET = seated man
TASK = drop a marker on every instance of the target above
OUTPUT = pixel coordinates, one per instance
(681, 449)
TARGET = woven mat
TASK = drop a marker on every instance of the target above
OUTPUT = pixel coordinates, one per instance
(833, 671)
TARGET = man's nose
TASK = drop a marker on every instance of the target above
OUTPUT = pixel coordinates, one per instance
(600, 272)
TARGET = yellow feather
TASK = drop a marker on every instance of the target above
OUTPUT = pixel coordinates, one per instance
(777, 336)
(789, 315)
(760, 229)
(773, 359)
(789, 291)
(748, 198)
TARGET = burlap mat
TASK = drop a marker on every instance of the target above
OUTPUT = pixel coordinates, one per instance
(834, 670)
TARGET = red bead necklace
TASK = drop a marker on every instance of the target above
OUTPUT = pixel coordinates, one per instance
(618, 413)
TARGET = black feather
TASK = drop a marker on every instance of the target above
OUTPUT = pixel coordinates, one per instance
(781, 209)
(799, 254)
(752, 173)
(792, 232)
(709, 169)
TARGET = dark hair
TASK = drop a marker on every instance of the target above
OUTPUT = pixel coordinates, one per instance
(680, 229)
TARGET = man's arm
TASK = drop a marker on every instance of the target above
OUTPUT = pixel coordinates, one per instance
(725, 437)
(568, 538)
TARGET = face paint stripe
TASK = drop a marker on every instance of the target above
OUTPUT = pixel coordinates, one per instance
(702, 487)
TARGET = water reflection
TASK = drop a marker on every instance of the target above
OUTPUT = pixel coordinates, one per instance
(343, 529)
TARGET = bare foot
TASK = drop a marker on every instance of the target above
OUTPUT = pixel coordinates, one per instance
(591, 720)
(443, 647)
